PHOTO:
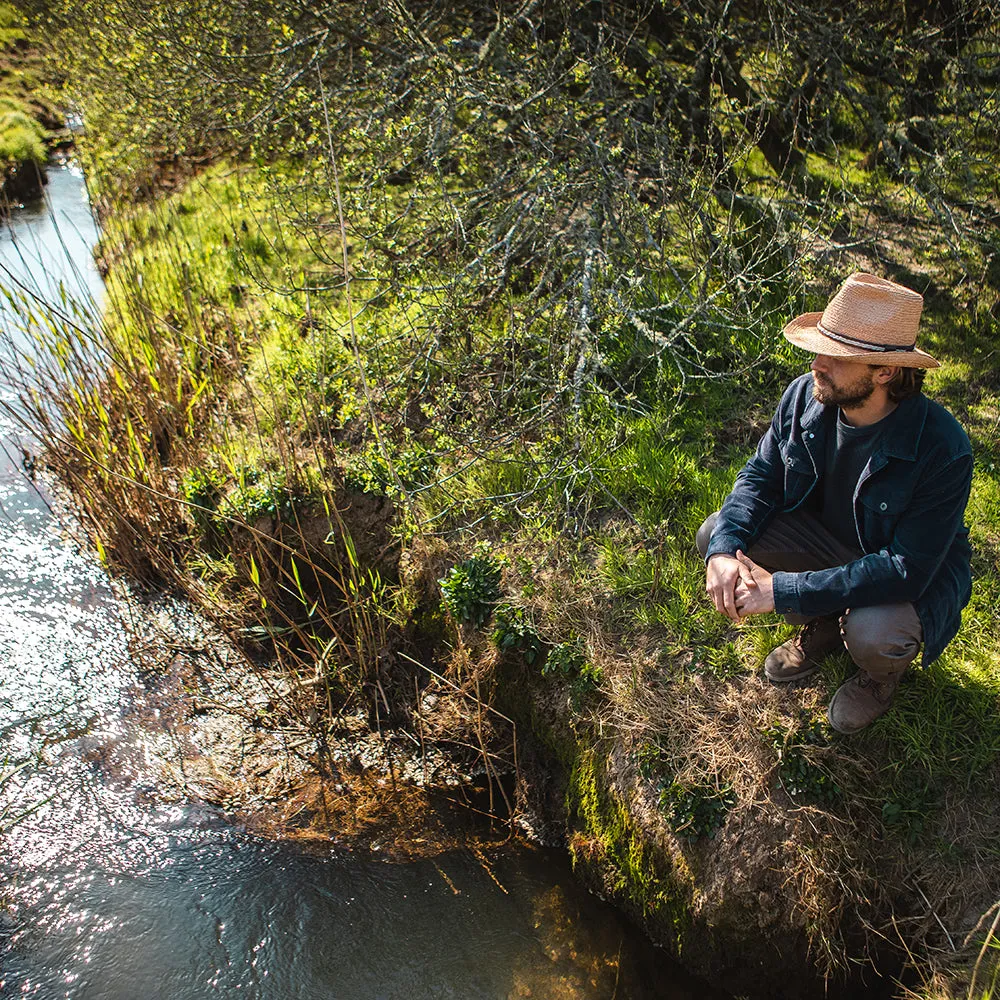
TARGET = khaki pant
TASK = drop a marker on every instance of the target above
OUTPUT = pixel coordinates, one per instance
(882, 639)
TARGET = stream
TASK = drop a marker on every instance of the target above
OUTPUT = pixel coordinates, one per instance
(108, 891)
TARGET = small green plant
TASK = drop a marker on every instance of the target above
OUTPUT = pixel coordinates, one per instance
(697, 810)
(720, 660)
(260, 494)
(569, 661)
(586, 681)
(515, 633)
(410, 467)
(525, 570)
(800, 776)
(470, 590)
(692, 810)
(566, 659)
(651, 760)
(906, 812)
(202, 488)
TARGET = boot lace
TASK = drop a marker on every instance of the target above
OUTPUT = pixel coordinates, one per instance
(881, 690)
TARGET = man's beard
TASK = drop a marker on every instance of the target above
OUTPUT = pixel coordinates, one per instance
(847, 397)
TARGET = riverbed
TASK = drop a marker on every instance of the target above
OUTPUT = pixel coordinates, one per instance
(111, 889)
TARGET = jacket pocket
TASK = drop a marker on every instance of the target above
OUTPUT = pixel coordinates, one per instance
(799, 473)
(881, 510)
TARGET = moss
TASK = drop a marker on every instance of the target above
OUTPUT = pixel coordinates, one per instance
(656, 888)
(517, 696)
(22, 139)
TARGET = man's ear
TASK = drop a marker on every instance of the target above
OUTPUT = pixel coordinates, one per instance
(885, 373)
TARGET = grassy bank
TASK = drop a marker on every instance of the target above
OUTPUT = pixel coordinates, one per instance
(29, 115)
(438, 452)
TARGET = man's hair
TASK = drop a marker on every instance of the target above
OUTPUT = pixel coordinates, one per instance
(905, 383)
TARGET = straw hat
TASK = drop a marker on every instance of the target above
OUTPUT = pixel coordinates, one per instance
(870, 319)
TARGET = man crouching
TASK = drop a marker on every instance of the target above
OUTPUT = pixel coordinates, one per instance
(848, 519)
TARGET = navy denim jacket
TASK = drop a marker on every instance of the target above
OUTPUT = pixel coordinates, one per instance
(908, 510)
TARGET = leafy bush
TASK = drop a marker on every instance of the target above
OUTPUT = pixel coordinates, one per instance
(515, 633)
(203, 486)
(470, 589)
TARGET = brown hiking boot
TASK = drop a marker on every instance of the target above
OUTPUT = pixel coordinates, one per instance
(860, 700)
(802, 655)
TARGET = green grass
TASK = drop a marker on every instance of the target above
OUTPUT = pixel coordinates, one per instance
(22, 138)
(25, 96)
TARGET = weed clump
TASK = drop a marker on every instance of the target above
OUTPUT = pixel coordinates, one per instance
(907, 812)
(651, 760)
(568, 660)
(471, 589)
(696, 810)
(799, 774)
(515, 633)
(692, 808)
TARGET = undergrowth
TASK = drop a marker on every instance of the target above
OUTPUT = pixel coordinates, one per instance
(28, 109)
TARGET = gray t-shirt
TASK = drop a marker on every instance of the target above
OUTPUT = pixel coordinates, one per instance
(847, 454)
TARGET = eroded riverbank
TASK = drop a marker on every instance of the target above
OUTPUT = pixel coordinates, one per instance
(128, 878)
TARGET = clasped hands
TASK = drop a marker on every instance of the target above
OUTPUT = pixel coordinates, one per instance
(738, 587)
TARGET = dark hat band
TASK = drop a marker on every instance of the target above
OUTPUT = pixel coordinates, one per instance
(867, 345)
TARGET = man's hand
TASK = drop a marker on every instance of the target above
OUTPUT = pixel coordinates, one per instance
(722, 574)
(755, 590)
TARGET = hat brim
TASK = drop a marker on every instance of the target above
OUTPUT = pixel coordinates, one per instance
(803, 332)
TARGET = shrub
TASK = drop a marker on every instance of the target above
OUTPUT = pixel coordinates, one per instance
(515, 633)
(470, 589)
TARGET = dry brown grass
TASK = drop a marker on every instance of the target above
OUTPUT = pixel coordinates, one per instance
(827, 868)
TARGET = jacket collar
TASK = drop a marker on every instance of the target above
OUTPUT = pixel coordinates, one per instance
(902, 436)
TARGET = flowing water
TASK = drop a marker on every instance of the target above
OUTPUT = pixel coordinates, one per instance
(108, 892)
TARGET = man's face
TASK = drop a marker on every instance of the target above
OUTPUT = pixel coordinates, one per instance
(837, 382)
